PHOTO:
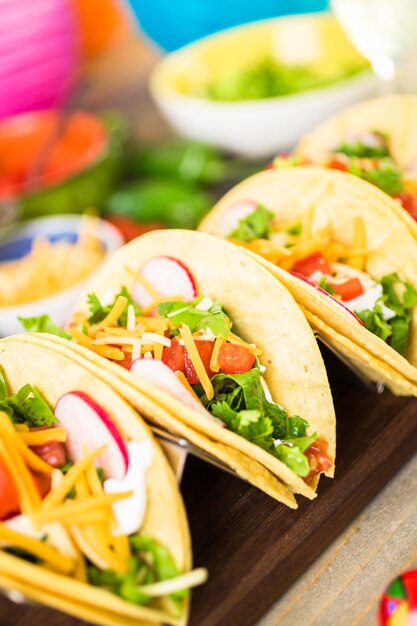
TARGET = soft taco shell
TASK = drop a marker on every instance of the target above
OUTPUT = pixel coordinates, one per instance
(246, 468)
(337, 198)
(263, 312)
(54, 374)
(394, 115)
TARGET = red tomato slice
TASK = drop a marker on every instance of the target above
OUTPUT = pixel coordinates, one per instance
(351, 288)
(205, 349)
(409, 202)
(317, 457)
(9, 501)
(174, 356)
(313, 263)
(234, 359)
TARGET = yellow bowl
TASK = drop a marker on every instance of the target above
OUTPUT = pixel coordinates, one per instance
(260, 127)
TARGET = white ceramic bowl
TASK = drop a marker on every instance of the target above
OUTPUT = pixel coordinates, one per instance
(15, 242)
(258, 128)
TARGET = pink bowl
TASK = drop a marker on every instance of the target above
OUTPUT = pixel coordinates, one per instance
(38, 54)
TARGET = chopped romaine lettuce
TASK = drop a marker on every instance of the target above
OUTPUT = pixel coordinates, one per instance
(325, 285)
(386, 176)
(150, 562)
(26, 406)
(400, 297)
(239, 401)
(42, 324)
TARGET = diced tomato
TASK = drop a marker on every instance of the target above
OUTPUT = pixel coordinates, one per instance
(42, 482)
(313, 263)
(351, 288)
(52, 453)
(131, 229)
(205, 349)
(174, 356)
(234, 359)
(316, 454)
(409, 202)
(337, 163)
(127, 361)
(9, 501)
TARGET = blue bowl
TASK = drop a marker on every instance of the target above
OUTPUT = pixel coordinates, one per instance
(174, 23)
(16, 242)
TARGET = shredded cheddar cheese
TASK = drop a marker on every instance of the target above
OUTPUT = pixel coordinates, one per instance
(357, 261)
(196, 361)
(46, 553)
(112, 317)
(76, 507)
(40, 437)
(238, 341)
(214, 365)
(65, 485)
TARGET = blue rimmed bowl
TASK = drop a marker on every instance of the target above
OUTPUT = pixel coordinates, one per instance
(16, 242)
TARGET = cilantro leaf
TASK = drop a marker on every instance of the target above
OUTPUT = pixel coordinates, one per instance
(178, 312)
(26, 406)
(98, 311)
(42, 324)
(256, 225)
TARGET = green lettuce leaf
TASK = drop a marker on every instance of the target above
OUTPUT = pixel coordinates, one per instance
(150, 562)
(26, 406)
(42, 324)
(400, 297)
(239, 401)
(256, 225)
(387, 176)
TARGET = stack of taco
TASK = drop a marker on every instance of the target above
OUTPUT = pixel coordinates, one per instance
(91, 519)
(340, 247)
(204, 342)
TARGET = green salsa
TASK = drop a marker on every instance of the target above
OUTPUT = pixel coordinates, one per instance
(269, 79)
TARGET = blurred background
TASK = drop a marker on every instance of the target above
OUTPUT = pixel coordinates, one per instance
(104, 111)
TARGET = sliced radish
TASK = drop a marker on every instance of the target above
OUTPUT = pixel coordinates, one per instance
(325, 293)
(235, 212)
(87, 423)
(157, 373)
(168, 276)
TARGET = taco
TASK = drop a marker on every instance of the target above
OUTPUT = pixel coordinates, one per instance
(375, 140)
(91, 518)
(207, 343)
(339, 247)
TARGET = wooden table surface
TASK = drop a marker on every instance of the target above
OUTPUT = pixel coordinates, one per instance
(254, 547)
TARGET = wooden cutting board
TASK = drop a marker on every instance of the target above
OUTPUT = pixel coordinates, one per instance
(255, 548)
